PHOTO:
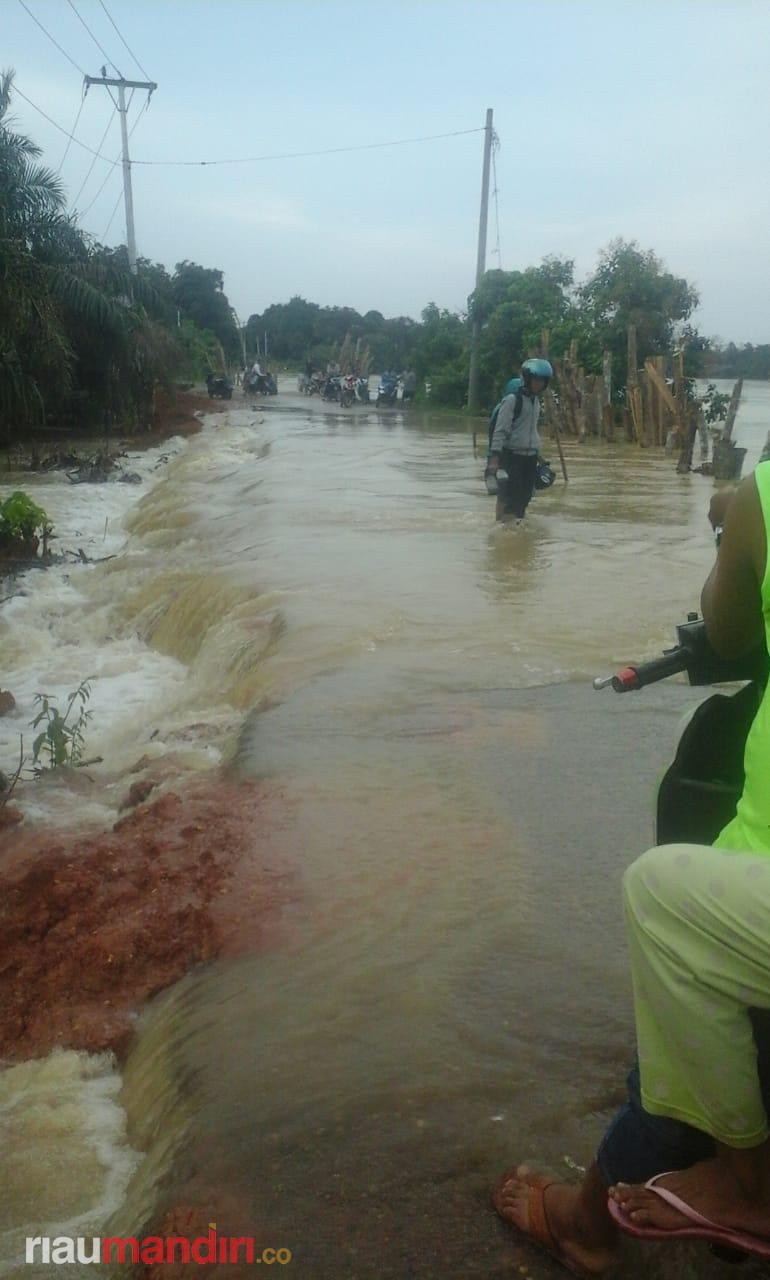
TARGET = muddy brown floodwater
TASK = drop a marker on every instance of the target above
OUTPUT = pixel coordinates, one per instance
(407, 689)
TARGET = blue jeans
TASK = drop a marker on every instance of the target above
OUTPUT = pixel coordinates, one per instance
(637, 1145)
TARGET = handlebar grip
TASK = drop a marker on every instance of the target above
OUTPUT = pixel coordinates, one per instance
(669, 664)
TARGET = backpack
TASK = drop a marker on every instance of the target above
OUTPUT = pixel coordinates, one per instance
(516, 408)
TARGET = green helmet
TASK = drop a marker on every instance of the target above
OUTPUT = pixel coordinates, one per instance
(536, 368)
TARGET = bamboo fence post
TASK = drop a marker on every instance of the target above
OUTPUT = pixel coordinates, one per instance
(727, 460)
(648, 407)
(632, 381)
(580, 388)
(554, 414)
(607, 422)
(682, 416)
(660, 424)
(554, 411)
(735, 399)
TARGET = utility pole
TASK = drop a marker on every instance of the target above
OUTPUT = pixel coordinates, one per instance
(481, 262)
(121, 85)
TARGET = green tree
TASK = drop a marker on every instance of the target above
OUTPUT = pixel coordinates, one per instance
(59, 300)
(199, 294)
(440, 354)
(631, 286)
(514, 308)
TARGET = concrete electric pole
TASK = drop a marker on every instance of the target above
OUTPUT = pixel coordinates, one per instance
(481, 262)
(121, 86)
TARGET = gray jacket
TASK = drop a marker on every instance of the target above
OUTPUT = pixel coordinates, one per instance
(520, 436)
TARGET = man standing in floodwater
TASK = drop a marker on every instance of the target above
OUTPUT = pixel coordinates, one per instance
(410, 384)
(516, 443)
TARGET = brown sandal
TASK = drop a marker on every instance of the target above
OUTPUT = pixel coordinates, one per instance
(539, 1231)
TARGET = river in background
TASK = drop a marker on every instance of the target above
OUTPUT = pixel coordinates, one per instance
(322, 597)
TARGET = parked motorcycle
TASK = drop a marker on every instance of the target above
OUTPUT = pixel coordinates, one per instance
(331, 389)
(699, 792)
(362, 390)
(260, 384)
(219, 386)
(387, 391)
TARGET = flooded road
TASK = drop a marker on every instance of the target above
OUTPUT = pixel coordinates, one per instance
(448, 992)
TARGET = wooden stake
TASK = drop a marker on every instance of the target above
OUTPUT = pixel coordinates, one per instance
(553, 415)
(735, 399)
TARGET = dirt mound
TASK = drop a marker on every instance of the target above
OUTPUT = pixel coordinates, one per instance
(93, 925)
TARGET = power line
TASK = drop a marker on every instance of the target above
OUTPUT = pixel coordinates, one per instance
(50, 37)
(45, 116)
(497, 250)
(288, 155)
(111, 216)
(120, 37)
(303, 155)
(93, 37)
(84, 212)
(72, 135)
(97, 156)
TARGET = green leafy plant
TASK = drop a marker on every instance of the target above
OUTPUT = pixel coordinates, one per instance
(715, 405)
(21, 518)
(63, 739)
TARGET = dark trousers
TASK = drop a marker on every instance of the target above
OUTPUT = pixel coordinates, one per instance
(637, 1145)
(516, 492)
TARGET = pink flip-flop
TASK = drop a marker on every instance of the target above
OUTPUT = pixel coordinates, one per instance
(701, 1229)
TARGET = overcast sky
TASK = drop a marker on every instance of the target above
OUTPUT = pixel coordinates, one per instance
(614, 118)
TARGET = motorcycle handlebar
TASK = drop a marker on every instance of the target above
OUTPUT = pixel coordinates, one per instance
(636, 677)
(694, 655)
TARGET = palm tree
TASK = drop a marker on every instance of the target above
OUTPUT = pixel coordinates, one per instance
(59, 297)
(33, 343)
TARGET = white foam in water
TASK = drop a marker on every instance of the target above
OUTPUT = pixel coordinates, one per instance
(53, 636)
(67, 1161)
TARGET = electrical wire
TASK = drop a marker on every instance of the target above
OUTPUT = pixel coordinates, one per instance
(84, 212)
(303, 155)
(93, 37)
(50, 37)
(288, 155)
(45, 116)
(112, 215)
(98, 156)
(120, 37)
(72, 134)
(497, 250)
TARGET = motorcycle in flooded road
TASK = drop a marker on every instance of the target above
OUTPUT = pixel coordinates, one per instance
(387, 391)
(260, 384)
(347, 391)
(219, 386)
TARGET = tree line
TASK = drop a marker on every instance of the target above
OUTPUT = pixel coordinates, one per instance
(84, 341)
(730, 361)
(516, 312)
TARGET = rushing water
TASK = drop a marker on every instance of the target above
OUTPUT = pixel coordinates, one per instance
(324, 597)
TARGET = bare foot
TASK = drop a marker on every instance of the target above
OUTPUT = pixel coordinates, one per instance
(586, 1250)
(710, 1188)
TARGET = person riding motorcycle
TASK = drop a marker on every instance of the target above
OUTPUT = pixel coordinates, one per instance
(516, 443)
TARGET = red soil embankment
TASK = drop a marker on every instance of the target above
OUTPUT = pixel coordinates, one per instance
(174, 417)
(93, 925)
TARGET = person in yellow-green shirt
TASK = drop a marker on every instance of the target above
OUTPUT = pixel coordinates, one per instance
(698, 923)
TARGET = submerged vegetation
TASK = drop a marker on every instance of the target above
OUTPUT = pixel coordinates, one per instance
(62, 739)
